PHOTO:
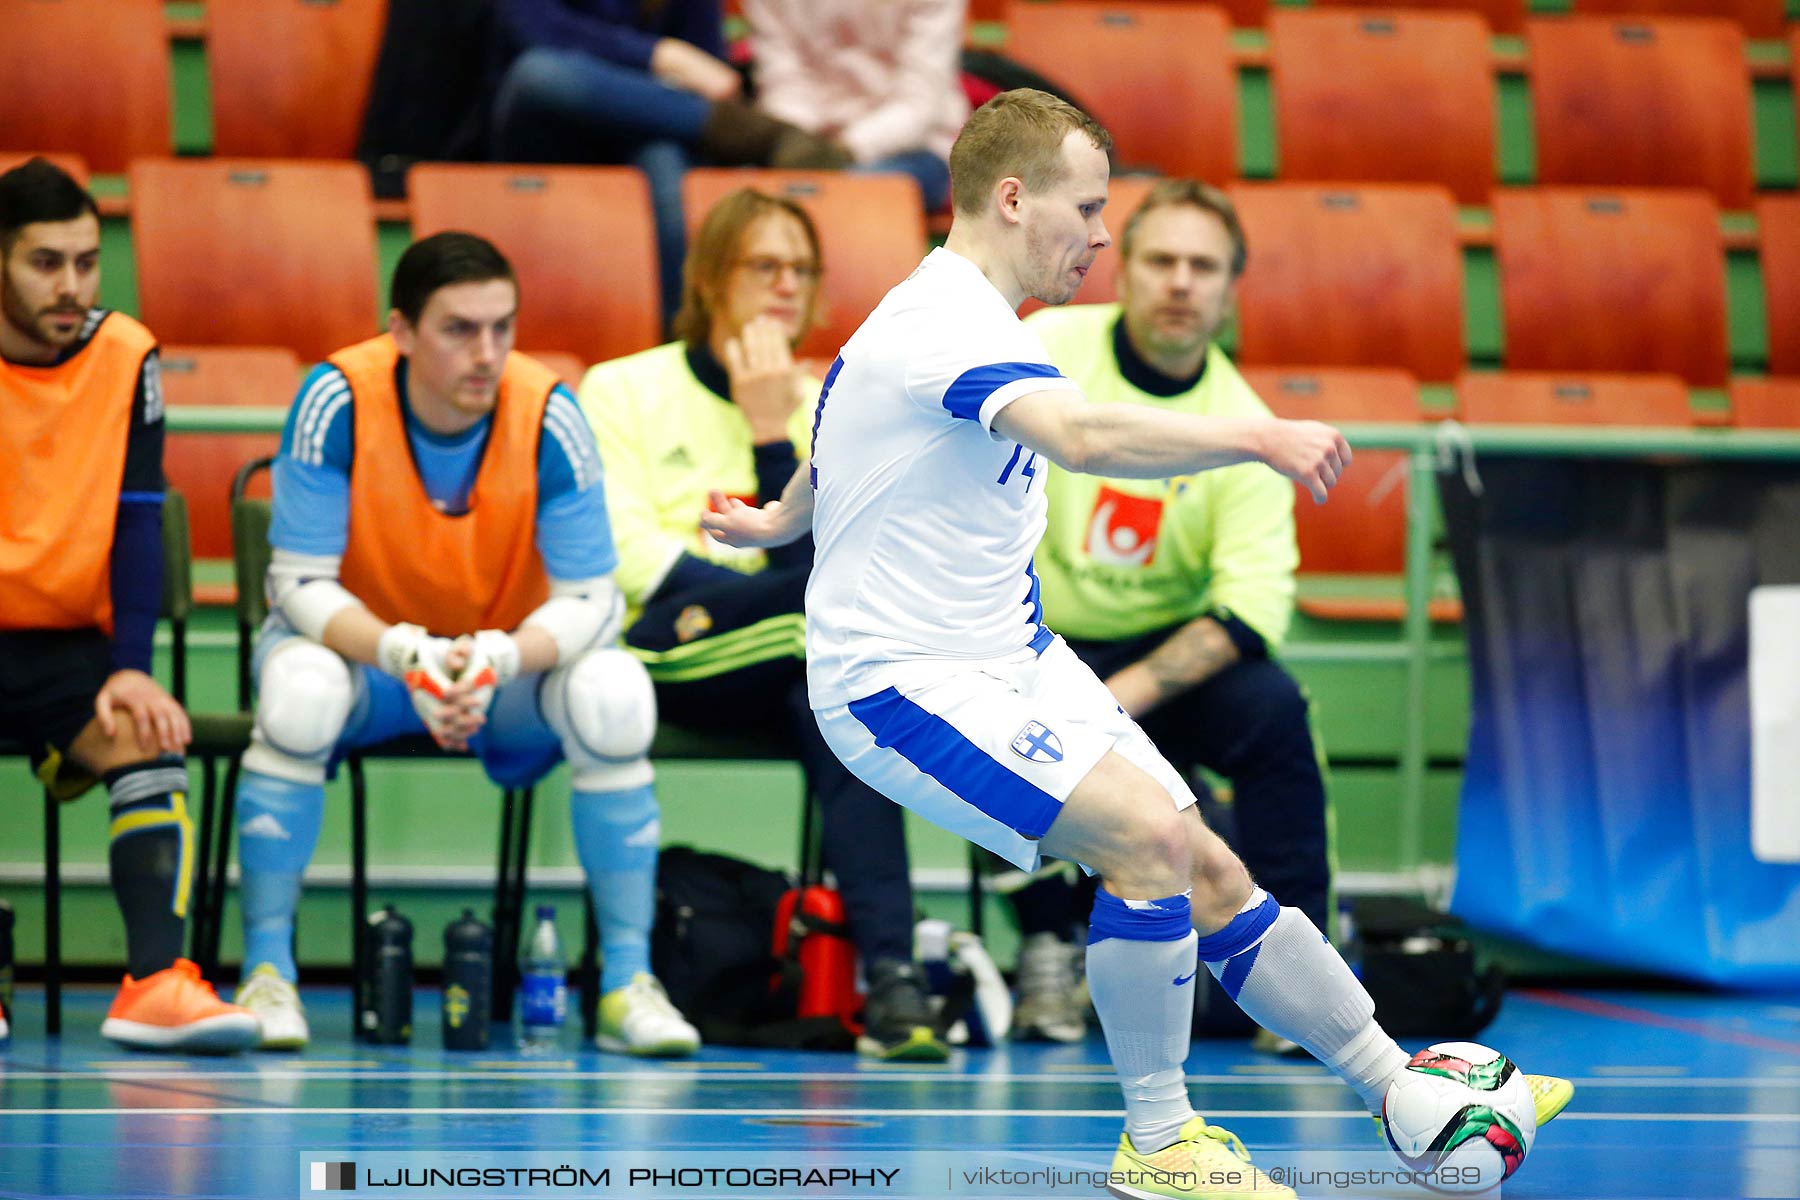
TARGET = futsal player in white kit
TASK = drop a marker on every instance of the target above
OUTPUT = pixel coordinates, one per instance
(935, 680)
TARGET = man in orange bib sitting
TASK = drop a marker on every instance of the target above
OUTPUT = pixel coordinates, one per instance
(442, 563)
(81, 434)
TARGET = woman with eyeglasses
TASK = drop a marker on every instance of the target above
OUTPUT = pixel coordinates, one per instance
(722, 631)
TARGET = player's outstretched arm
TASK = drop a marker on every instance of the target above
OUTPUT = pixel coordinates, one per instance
(774, 524)
(1139, 442)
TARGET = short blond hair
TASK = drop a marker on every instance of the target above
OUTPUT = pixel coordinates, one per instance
(1018, 133)
(1203, 196)
(713, 253)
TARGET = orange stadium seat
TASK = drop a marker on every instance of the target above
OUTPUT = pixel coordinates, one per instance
(1771, 403)
(1362, 529)
(255, 252)
(871, 233)
(290, 78)
(1549, 398)
(74, 164)
(1502, 16)
(1340, 77)
(1158, 76)
(580, 239)
(1661, 102)
(1778, 219)
(200, 465)
(1351, 277)
(1760, 18)
(568, 368)
(1629, 280)
(87, 77)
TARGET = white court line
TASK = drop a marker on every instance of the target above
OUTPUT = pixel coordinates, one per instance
(705, 1076)
(1227, 1114)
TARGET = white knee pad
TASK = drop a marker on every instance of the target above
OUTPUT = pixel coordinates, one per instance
(304, 699)
(603, 707)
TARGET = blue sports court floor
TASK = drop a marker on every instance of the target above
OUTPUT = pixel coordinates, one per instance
(1679, 1096)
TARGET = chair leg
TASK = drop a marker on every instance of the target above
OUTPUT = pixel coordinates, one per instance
(509, 898)
(588, 976)
(221, 868)
(52, 915)
(359, 892)
(200, 887)
(977, 907)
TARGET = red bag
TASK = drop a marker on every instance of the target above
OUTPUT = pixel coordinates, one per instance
(810, 931)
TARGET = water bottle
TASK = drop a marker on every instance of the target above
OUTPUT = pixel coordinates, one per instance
(543, 988)
(385, 1015)
(468, 983)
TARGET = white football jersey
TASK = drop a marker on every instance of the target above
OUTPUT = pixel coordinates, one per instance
(925, 519)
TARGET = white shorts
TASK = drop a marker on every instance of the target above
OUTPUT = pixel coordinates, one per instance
(990, 750)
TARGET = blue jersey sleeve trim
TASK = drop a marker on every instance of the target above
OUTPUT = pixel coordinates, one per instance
(934, 746)
(140, 497)
(966, 394)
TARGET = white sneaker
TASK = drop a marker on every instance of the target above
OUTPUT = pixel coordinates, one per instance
(277, 1007)
(639, 1019)
(1050, 1007)
(5, 1030)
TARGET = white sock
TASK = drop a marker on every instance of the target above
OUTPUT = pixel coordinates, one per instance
(1282, 972)
(1141, 965)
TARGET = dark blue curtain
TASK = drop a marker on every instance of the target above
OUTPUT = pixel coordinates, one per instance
(1606, 799)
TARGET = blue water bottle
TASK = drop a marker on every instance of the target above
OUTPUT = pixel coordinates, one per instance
(543, 988)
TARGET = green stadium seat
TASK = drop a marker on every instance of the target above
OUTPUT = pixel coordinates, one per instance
(1159, 76)
(87, 77)
(580, 239)
(1340, 78)
(1622, 281)
(1351, 277)
(1654, 102)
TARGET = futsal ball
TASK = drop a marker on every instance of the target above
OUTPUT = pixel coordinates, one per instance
(1461, 1115)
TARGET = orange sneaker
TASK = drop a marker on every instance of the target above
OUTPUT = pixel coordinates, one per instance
(175, 1009)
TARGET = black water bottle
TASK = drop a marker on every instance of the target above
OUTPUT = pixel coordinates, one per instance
(386, 1009)
(6, 960)
(468, 983)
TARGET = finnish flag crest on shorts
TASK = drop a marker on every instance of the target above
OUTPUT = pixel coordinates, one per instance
(1035, 743)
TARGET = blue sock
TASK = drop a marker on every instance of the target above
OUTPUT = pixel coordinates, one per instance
(617, 835)
(1141, 967)
(278, 827)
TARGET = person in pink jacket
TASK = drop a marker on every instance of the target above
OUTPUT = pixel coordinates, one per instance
(881, 78)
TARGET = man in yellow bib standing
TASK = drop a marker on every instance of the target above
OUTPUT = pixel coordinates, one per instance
(81, 434)
(442, 563)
